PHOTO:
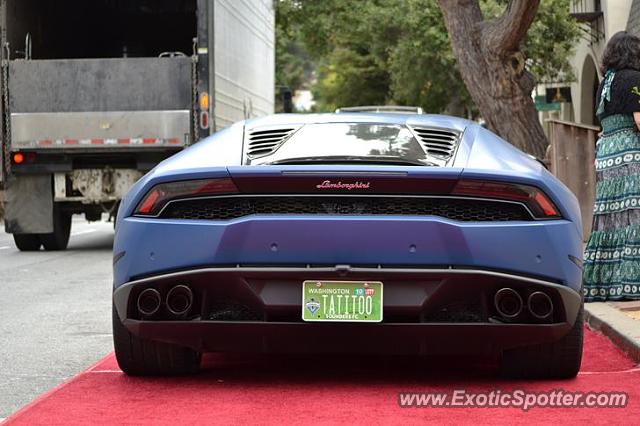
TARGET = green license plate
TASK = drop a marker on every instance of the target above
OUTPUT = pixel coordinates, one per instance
(346, 301)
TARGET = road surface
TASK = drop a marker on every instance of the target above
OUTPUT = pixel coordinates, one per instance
(55, 312)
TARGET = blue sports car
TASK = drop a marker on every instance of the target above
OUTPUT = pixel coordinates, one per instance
(349, 232)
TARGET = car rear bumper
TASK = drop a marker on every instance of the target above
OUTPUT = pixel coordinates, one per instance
(425, 311)
(148, 246)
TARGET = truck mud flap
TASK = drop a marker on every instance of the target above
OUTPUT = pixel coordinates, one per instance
(29, 205)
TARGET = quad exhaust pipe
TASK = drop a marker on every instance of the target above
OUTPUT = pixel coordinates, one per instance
(179, 300)
(540, 305)
(508, 303)
(149, 302)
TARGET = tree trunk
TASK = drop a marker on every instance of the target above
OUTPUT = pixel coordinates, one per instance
(492, 67)
(455, 106)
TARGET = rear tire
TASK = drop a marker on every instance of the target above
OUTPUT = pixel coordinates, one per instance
(59, 238)
(27, 242)
(556, 360)
(140, 357)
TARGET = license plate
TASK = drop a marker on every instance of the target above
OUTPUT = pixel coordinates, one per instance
(343, 301)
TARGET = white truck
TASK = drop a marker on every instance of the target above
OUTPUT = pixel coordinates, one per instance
(96, 93)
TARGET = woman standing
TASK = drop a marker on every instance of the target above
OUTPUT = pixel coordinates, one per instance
(612, 256)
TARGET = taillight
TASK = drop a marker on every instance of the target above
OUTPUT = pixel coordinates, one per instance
(23, 157)
(161, 194)
(204, 120)
(536, 200)
(18, 158)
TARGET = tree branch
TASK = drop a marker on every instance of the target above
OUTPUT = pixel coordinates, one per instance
(505, 33)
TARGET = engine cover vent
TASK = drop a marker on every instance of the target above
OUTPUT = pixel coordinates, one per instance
(262, 142)
(440, 143)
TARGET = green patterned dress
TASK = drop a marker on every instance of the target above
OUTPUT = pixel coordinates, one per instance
(612, 255)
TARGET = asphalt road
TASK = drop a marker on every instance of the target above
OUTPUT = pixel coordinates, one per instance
(55, 312)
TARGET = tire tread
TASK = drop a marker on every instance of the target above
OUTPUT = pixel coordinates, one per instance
(59, 238)
(141, 357)
(27, 242)
(557, 360)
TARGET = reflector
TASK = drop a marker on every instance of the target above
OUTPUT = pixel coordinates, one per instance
(204, 120)
(204, 101)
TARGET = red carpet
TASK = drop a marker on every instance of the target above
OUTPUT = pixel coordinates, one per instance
(278, 390)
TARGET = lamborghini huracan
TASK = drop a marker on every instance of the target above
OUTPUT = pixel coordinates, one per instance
(352, 232)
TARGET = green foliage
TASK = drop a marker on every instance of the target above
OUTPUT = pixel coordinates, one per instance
(359, 52)
(348, 79)
(294, 67)
(421, 65)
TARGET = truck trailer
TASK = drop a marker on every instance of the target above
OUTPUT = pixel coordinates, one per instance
(96, 93)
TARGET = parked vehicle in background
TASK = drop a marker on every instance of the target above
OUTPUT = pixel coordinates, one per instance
(96, 93)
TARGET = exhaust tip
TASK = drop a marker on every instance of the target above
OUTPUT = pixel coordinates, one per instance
(149, 302)
(179, 300)
(508, 303)
(540, 305)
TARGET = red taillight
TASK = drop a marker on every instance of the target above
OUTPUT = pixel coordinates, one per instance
(547, 206)
(160, 195)
(18, 158)
(217, 186)
(23, 158)
(204, 120)
(537, 202)
(149, 202)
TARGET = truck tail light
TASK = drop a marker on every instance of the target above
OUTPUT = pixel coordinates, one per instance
(18, 158)
(536, 201)
(162, 194)
(23, 157)
(204, 101)
(204, 120)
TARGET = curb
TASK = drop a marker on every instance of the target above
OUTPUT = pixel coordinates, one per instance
(622, 330)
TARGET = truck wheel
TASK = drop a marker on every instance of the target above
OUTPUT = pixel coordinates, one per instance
(556, 360)
(59, 238)
(115, 214)
(140, 357)
(27, 242)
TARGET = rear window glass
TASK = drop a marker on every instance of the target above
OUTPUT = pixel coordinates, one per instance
(351, 140)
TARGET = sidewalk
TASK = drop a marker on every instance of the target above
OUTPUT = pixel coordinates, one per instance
(619, 321)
